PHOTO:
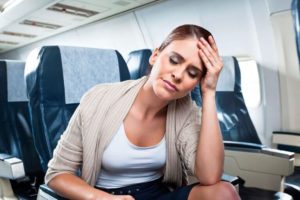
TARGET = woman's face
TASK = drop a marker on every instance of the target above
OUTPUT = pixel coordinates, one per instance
(177, 69)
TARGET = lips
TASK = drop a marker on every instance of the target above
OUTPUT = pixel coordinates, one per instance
(170, 86)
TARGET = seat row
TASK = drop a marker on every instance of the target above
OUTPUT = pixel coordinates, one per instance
(38, 99)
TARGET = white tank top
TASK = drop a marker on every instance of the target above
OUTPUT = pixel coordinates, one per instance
(124, 163)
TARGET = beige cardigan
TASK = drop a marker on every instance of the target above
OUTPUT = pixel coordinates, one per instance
(98, 117)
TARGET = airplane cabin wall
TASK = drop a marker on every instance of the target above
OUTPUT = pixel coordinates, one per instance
(240, 28)
(289, 73)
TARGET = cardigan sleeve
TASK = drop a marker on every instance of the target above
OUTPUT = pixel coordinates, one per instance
(187, 140)
(67, 156)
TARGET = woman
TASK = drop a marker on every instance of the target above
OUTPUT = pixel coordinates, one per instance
(140, 139)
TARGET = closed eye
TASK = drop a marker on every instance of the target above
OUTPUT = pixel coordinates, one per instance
(193, 73)
(173, 61)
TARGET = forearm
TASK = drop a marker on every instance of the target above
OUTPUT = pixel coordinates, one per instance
(72, 187)
(210, 152)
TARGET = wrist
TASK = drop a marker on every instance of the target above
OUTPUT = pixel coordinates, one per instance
(209, 94)
(99, 195)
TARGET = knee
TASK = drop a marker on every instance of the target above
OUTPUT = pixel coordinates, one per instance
(228, 191)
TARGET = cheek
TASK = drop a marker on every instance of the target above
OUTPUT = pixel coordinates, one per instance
(188, 87)
(191, 84)
(154, 73)
(163, 65)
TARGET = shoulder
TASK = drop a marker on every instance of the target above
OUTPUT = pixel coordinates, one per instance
(103, 95)
(99, 98)
(99, 90)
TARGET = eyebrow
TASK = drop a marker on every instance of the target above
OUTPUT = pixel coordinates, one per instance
(181, 59)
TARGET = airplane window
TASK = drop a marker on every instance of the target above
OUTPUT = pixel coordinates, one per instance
(296, 19)
(250, 82)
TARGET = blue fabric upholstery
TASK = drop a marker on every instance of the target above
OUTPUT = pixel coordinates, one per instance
(235, 122)
(16, 137)
(234, 118)
(138, 63)
(15, 128)
(56, 78)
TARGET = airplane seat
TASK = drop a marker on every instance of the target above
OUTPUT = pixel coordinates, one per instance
(234, 118)
(19, 161)
(138, 63)
(243, 148)
(56, 79)
(240, 137)
(289, 141)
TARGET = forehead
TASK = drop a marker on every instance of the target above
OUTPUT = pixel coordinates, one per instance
(187, 48)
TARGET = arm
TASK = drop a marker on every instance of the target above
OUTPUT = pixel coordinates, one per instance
(73, 187)
(210, 151)
(67, 159)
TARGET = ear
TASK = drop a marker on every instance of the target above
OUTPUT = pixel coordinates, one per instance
(153, 56)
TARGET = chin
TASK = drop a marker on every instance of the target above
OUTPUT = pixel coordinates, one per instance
(165, 96)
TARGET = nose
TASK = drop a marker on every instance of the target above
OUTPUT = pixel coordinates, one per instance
(177, 74)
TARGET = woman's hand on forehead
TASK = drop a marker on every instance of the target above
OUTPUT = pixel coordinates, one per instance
(209, 54)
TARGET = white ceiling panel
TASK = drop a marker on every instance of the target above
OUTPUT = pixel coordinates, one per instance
(59, 16)
(96, 6)
(53, 17)
(20, 28)
(4, 37)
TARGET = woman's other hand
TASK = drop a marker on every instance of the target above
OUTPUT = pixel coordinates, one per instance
(209, 54)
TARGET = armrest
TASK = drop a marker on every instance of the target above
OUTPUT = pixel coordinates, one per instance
(257, 148)
(286, 133)
(11, 167)
(245, 146)
(286, 138)
(259, 166)
(234, 180)
(45, 193)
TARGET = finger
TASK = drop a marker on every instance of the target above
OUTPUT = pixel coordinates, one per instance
(215, 48)
(215, 58)
(209, 55)
(218, 59)
(209, 52)
(205, 44)
(213, 44)
(205, 59)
